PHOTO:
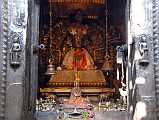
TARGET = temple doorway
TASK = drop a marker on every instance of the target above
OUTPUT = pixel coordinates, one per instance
(82, 58)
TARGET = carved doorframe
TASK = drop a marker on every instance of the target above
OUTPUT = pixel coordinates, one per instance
(24, 76)
(143, 93)
(18, 19)
(33, 46)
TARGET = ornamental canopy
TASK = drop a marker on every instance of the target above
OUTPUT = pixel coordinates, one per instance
(79, 1)
(90, 8)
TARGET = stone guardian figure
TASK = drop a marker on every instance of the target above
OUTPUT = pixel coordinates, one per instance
(15, 52)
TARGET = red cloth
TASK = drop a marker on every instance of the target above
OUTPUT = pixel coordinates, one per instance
(80, 53)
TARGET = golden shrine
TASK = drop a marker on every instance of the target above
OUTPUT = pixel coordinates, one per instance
(80, 43)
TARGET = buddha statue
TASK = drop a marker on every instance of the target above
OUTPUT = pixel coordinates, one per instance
(78, 58)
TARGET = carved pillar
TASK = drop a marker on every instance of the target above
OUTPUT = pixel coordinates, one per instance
(13, 22)
(3, 56)
(143, 81)
(156, 50)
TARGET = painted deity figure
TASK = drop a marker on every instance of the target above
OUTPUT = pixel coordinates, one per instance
(78, 58)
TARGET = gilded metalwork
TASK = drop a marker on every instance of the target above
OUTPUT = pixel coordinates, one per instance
(79, 1)
(84, 90)
(50, 67)
(59, 40)
(107, 60)
(66, 78)
(64, 43)
(98, 54)
(52, 36)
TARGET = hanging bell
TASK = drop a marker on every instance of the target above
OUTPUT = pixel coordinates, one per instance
(50, 69)
(107, 64)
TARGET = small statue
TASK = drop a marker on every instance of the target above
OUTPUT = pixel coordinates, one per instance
(15, 51)
(143, 48)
